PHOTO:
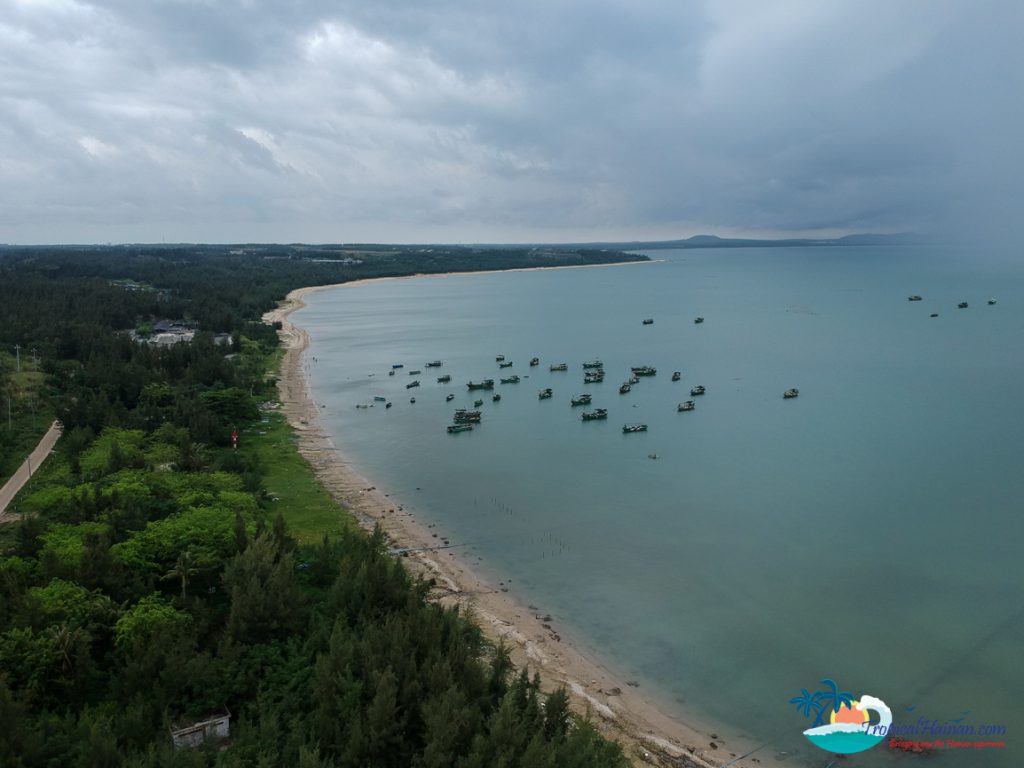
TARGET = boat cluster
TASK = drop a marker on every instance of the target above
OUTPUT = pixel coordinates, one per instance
(961, 305)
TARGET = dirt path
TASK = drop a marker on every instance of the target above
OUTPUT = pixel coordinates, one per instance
(28, 468)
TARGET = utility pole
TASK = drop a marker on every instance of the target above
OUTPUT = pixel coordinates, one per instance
(17, 352)
(8, 411)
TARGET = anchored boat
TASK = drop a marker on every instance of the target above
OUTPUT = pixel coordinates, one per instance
(511, 380)
(534, 361)
(698, 390)
(412, 384)
(499, 359)
(649, 321)
(505, 365)
(463, 416)
(581, 400)
(791, 393)
(915, 297)
(676, 375)
(559, 367)
(444, 379)
(593, 377)
(380, 399)
(629, 428)
(477, 403)
(544, 394)
(689, 405)
(485, 384)
(698, 320)
(599, 413)
(593, 364)
(962, 305)
(456, 428)
(435, 364)
(449, 398)
(496, 397)
(415, 373)
(625, 388)
(643, 370)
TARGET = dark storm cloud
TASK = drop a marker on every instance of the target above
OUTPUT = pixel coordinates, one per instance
(465, 121)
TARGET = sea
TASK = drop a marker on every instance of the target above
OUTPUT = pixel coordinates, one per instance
(866, 532)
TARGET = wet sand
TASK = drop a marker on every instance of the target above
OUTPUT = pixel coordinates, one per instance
(618, 707)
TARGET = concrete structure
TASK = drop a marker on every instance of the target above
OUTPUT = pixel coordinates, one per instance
(215, 727)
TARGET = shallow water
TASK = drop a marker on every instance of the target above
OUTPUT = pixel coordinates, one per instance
(867, 531)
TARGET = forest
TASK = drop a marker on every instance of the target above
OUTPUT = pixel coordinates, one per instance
(151, 581)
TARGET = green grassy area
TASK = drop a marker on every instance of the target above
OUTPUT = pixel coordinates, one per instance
(30, 411)
(308, 509)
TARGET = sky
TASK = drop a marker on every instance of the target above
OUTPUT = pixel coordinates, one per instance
(462, 121)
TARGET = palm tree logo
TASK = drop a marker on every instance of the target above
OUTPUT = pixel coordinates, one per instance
(820, 702)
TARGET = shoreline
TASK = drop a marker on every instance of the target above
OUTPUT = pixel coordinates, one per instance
(620, 710)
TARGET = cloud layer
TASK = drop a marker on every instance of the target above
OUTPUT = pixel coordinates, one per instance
(233, 120)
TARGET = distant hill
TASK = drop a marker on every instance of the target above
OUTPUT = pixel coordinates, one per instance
(714, 241)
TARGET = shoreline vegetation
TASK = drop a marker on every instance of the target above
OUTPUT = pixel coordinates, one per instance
(640, 723)
(152, 579)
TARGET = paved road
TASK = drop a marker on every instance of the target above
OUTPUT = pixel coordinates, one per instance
(21, 476)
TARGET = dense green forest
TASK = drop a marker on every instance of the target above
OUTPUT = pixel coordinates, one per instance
(152, 580)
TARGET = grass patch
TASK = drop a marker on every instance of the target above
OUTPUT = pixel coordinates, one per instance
(293, 488)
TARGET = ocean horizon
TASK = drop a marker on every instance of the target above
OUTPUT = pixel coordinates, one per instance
(866, 531)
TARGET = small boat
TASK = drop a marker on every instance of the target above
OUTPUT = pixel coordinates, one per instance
(544, 394)
(496, 397)
(593, 364)
(698, 320)
(630, 428)
(915, 297)
(593, 377)
(634, 379)
(934, 314)
(463, 416)
(454, 429)
(412, 384)
(435, 364)
(559, 367)
(499, 359)
(791, 393)
(412, 400)
(391, 373)
(448, 398)
(415, 373)
(649, 321)
(624, 389)
(485, 384)
(698, 390)
(599, 413)
(689, 405)
(380, 399)
(397, 365)
(676, 375)
(962, 305)
(444, 379)
(477, 403)
(534, 361)
(511, 380)
(644, 370)
(581, 400)
(361, 406)
(652, 455)
(387, 405)
(505, 365)
(991, 302)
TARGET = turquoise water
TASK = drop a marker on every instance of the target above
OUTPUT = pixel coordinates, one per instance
(867, 531)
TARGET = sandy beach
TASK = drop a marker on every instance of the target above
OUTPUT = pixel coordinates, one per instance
(618, 706)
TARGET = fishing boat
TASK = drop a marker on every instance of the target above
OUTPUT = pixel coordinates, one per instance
(698, 390)
(387, 405)
(380, 399)
(448, 398)
(676, 375)
(791, 393)
(444, 379)
(962, 305)
(581, 400)
(485, 384)
(477, 403)
(499, 359)
(544, 394)
(412, 384)
(599, 413)
(593, 364)
(534, 361)
(934, 314)
(391, 373)
(456, 428)
(505, 365)
(593, 377)
(698, 320)
(415, 373)
(435, 364)
(412, 400)
(991, 302)
(559, 367)
(462, 416)
(689, 405)
(514, 379)
(624, 389)
(649, 321)
(629, 428)
(634, 379)
(397, 365)
(644, 370)
(496, 397)
(915, 297)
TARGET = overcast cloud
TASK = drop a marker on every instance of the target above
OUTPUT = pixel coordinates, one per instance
(460, 121)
